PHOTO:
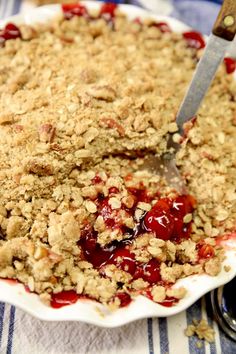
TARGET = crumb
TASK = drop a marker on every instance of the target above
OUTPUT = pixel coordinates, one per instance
(202, 330)
(227, 268)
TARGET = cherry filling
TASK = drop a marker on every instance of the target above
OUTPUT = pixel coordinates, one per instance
(124, 298)
(10, 31)
(159, 221)
(166, 218)
(182, 206)
(108, 9)
(70, 297)
(64, 298)
(205, 250)
(149, 272)
(140, 194)
(97, 179)
(124, 260)
(169, 302)
(163, 26)
(109, 216)
(194, 39)
(71, 10)
(92, 251)
(230, 64)
(113, 190)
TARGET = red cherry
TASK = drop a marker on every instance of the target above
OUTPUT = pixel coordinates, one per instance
(152, 271)
(109, 215)
(108, 9)
(138, 272)
(124, 260)
(181, 230)
(124, 298)
(169, 301)
(140, 194)
(97, 180)
(71, 10)
(10, 31)
(149, 272)
(206, 251)
(194, 39)
(230, 64)
(159, 221)
(92, 251)
(113, 190)
(64, 298)
(163, 26)
(90, 241)
(182, 205)
(163, 203)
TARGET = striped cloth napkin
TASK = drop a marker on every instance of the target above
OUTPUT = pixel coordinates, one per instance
(23, 334)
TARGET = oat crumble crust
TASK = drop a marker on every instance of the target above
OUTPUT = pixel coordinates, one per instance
(70, 112)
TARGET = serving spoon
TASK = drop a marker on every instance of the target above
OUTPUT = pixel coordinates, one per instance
(222, 35)
(224, 307)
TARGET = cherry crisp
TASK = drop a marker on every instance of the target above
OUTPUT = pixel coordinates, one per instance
(82, 101)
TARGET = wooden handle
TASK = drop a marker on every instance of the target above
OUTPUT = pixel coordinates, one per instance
(225, 25)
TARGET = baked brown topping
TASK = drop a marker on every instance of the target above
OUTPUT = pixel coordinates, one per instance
(82, 101)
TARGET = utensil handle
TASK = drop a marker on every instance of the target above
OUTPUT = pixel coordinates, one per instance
(225, 25)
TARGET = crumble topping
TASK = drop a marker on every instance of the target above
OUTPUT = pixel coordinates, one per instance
(78, 214)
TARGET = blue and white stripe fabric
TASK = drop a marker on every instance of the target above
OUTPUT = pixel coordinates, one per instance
(22, 334)
(9, 7)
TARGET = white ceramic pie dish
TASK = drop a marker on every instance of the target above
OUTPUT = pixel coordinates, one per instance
(87, 310)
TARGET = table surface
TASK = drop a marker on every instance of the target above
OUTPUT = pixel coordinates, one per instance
(22, 334)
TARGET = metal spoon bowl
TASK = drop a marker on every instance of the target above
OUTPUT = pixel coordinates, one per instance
(224, 307)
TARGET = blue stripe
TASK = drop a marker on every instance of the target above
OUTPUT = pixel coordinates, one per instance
(194, 312)
(210, 322)
(227, 345)
(2, 310)
(163, 332)
(11, 330)
(16, 7)
(150, 335)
